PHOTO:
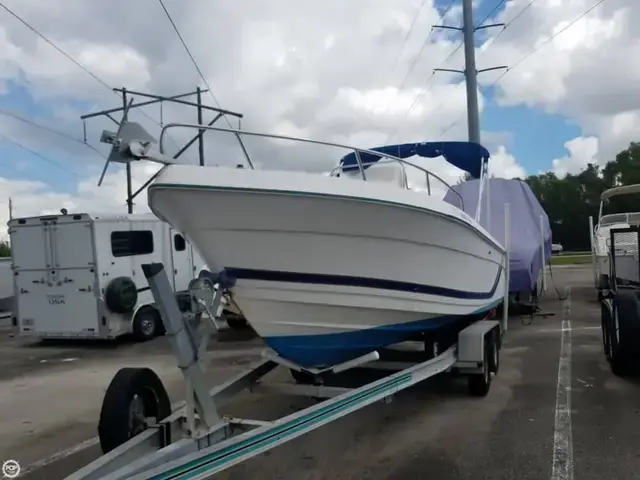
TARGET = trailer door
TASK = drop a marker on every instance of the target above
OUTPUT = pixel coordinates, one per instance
(60, 299)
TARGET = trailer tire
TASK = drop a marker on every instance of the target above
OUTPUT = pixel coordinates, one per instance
(121, 295)
(623, 327)
(147, 324)
(606, 340)
(494, 363)
(122, 415)
(480, 383)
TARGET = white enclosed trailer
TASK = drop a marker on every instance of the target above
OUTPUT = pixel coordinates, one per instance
(79, 275)
(6, 287)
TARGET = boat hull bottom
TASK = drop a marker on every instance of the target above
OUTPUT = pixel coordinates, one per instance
(328, 349)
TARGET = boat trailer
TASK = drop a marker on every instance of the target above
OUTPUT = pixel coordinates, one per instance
(620, 302)
(142, 438)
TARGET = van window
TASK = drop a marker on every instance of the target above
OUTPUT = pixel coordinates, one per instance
(179, 243)
(131, 242)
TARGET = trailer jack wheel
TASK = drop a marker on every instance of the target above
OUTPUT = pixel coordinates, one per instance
(480, 383)
(135, 398)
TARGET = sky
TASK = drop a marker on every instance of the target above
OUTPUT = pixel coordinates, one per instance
(359, 73)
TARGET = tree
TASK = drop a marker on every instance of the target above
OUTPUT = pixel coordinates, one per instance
(570, 201)
(5, 249)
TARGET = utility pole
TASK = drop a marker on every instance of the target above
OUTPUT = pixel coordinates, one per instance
(470, 71)
(128, 104)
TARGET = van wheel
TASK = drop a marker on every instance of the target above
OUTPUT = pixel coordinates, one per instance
(146, 324)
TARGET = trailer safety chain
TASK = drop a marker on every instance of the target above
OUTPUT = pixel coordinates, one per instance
(555, 286)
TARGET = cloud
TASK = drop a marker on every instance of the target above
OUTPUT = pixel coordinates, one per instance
(37, 198)
(503, 164)
(330, 70)
(582, 151)
(588, 72)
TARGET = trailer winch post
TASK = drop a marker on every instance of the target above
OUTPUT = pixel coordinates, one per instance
(183, 342)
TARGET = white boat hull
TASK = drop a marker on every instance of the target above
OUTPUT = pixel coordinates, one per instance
(329, 269)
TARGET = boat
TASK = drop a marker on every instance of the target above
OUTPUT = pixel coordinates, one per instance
(530, 244)
(330, 268)
(626, 245)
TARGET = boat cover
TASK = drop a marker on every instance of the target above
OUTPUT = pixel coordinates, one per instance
(525, 239)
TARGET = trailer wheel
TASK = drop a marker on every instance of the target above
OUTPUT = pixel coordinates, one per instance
(121, 295)
(134, 397)
(480, 383)
(623, 327)
(146, 324)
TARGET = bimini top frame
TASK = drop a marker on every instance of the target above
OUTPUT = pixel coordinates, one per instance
(133, 142)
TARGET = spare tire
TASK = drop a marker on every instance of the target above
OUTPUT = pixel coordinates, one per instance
(121, 295)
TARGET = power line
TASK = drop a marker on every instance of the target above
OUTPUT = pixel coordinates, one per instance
(508, 24)
(75, 62)
(494, 10)
(406, 37)
(420, 95)
(518, 15)
(424, 45)
(50, 130)
(551, 38)
(69, 57)
(532, 51)
(193, 60)
(39, 155)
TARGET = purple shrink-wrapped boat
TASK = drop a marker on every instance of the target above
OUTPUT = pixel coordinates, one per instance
(526, 239)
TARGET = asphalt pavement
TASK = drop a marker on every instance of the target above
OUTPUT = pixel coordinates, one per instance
(555, 411)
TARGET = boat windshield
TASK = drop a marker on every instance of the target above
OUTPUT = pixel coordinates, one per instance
(632, 218)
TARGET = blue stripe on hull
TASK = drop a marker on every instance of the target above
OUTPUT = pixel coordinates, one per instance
(333, 348)
(363, 282)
